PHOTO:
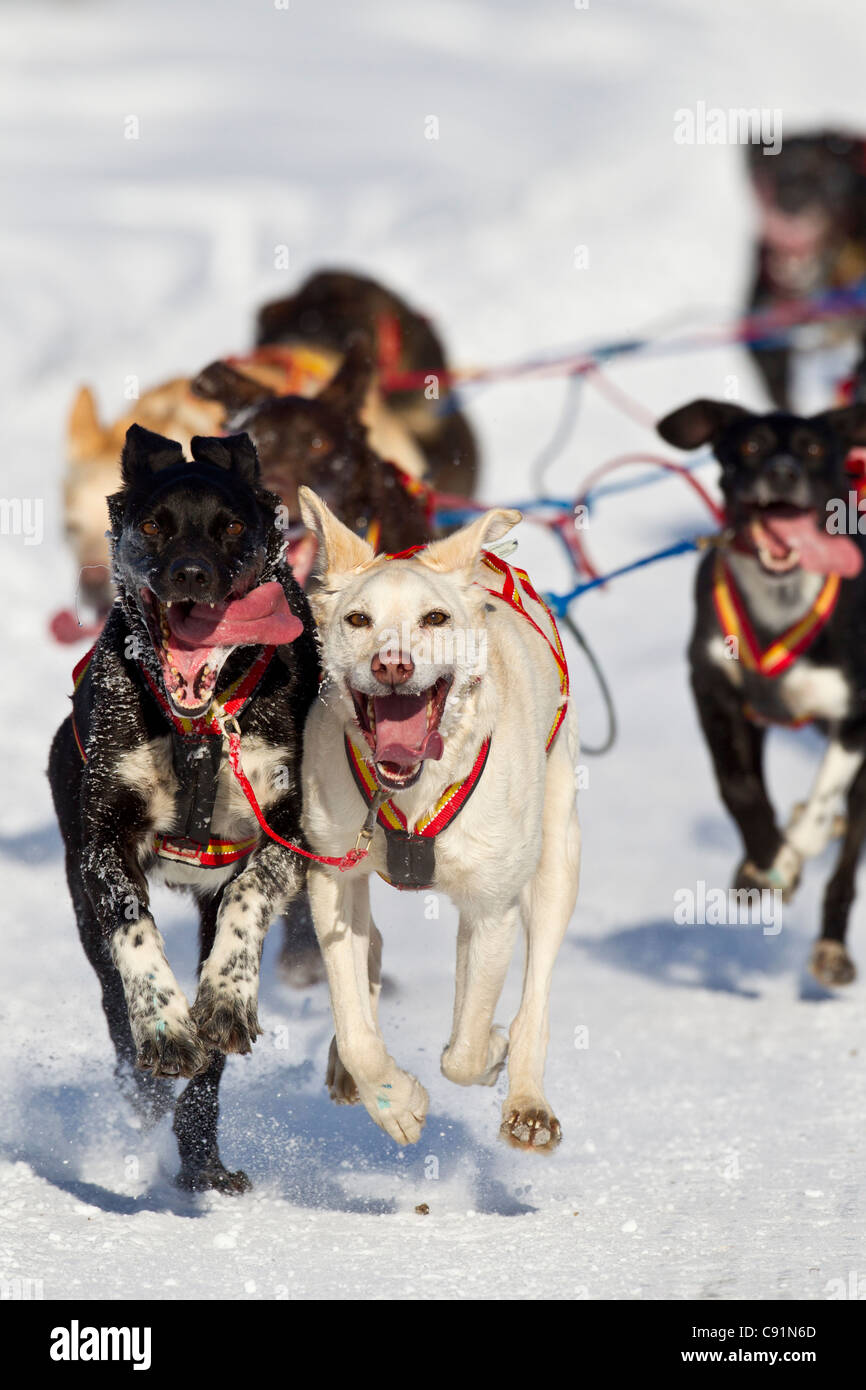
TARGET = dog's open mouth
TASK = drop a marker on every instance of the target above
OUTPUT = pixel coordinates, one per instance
(194, 640)
(786, 538)
(402, 731)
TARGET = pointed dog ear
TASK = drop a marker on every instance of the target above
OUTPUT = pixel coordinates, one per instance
(339, 550)
(462, 551)
(347, 389)
(147, 452)
(698, 423)
(84, 433)
(234, 390)
(234, 452)
(849, 423)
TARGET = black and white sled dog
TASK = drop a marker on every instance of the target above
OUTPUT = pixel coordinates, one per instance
(443, 735)
(780, 638)
(209, 635)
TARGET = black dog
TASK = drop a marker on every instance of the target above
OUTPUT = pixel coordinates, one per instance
(208, 628)
(812, 235)
(780, 638)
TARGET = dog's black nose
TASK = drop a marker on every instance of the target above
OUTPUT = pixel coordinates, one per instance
(782, 472)
(190, 577)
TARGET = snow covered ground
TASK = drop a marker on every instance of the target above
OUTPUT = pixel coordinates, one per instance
(713, 1124)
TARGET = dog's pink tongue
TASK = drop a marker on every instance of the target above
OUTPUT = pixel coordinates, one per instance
(401, 730)
(820, 552)
(261, 618)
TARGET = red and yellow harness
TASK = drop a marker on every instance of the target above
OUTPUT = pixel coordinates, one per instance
(783, 651)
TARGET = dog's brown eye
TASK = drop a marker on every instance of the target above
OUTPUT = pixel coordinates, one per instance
(235, 528)
(434, 619)
(317, 445)
(814, 450)
(359, 620)
(750, 448)
(149, 528)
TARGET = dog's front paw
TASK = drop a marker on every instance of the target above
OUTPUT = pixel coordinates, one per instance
(225, 1019)
(398, 1103)
(169, 1049)
(831, 964)
(341, 1086)
(214, 1177)
(783, 875)
(530, 1125)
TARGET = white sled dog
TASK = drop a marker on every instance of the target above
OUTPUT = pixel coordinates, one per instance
(439, 699)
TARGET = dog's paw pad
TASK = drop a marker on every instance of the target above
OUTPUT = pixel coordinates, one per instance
(831, 964)
(531, 1127)
(226, 1021)
(171, 1054)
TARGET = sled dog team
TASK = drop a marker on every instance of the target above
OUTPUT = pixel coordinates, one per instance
(298, 681)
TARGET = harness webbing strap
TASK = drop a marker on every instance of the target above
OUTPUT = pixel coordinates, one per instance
(446, 809)
(410, 854)
(510, 594)
(213, 855)
(784, 650)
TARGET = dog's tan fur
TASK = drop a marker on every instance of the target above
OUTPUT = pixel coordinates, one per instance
(512, 856)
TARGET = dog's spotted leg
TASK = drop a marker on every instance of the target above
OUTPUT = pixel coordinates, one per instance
(226, 1006)
(114, 818)
(528, 1121)
(395, 1099)
(165, 1038)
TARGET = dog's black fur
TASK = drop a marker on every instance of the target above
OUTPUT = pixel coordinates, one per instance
(334, 305)
(813, 175)
(771, 460)
(322, 442)
(106, 821)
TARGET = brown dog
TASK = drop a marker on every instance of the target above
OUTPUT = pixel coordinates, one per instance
(332, 306)
(323, 442)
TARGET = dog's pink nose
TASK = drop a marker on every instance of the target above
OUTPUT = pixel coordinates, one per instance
(392, 670)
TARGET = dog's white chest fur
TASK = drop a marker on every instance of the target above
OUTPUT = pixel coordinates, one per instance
(815, 692)
(808, 692)
(150, 771)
